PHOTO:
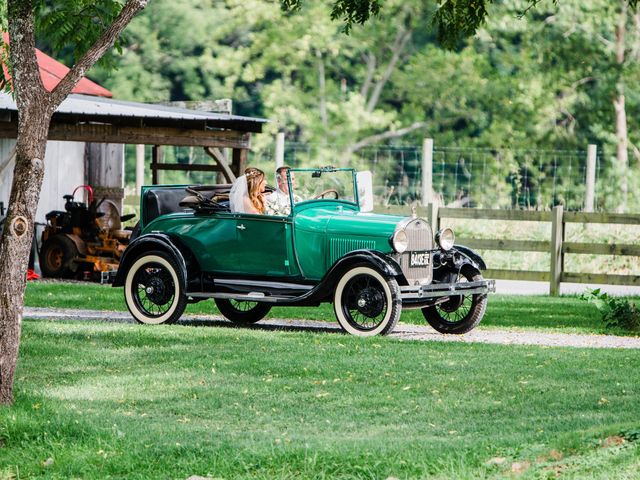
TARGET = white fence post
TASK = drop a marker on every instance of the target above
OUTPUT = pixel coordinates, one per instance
(427, 171)
(279, 149)
(589, 195)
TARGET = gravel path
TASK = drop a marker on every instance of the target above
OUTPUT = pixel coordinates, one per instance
(402, 332)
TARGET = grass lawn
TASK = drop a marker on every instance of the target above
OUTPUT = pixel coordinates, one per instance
(127, 401)
(568, 313)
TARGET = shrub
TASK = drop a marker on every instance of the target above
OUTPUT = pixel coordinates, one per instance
(616, 311)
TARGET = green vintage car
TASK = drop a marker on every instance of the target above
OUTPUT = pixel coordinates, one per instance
(191, 248)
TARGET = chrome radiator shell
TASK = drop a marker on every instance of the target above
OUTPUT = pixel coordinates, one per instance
(420, 238)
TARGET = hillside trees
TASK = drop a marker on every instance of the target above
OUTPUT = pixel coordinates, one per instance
(579, 66)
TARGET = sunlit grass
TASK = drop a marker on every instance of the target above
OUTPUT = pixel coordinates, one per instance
(127, 401)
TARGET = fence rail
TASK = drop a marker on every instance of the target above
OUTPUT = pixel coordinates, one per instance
(555, 246)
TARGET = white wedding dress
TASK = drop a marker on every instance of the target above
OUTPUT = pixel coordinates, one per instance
(238, 194)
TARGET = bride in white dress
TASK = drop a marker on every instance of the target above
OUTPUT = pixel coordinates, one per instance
(246, 192)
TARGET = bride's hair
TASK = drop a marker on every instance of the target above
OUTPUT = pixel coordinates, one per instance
(254, 179)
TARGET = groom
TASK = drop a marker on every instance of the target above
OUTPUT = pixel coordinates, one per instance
(277, 202)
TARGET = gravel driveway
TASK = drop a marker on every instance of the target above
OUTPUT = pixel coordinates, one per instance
(402, 332)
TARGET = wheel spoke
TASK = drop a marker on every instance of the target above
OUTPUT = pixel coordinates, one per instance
(364, 302)
(161, 295)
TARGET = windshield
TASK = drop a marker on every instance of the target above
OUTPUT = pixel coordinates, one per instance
(326, 182)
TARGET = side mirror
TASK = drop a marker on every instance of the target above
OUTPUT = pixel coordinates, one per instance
(364, 180)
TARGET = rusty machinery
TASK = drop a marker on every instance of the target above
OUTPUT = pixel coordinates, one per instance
(85, 240)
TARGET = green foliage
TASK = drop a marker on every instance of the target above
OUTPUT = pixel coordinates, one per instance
(456, 20)
(631, 434)
(72, 26)
(617, 312)
(349, 11)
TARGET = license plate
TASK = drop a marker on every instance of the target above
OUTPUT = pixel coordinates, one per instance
(419, 259)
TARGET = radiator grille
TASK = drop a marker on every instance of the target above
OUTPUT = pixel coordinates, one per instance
(420, 238)
(339, 247)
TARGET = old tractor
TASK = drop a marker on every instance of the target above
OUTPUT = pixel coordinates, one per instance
(84, 241)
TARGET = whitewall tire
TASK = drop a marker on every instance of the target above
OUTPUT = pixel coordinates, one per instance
(153, 289)
(367, 303)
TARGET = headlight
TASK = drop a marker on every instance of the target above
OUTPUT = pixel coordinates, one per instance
(445, 239)
(399, 242)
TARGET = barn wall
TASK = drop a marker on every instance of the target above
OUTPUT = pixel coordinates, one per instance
(64, 170)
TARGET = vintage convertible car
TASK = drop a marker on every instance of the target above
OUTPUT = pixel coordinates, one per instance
(190, 248)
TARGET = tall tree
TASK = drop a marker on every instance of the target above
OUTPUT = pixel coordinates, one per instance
(35, 108)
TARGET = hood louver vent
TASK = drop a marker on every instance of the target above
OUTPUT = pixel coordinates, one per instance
(339, 247)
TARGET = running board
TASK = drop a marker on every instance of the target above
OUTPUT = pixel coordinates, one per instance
(244, 284)
(254, 290)
(250, 297)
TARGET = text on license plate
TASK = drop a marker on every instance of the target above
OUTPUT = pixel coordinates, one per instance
(419, 259)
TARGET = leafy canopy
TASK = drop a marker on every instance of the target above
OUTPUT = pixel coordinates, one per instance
(454, 19)
(71, 27)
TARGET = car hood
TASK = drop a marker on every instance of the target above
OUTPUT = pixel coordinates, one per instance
(340, 221)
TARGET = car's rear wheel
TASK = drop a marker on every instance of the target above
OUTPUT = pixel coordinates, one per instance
(243, 312)
(153, 289)
(366, 302)
(461, 313)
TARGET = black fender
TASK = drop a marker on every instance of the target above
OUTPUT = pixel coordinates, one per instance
(150, 242)
(453, 261)
(378, 260)
(472, 256)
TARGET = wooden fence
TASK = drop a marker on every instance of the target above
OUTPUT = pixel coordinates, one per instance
(556, 246)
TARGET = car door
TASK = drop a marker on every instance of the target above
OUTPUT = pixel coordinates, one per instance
(264, 245)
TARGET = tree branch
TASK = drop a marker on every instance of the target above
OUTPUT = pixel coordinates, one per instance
(322, 89)
(371, 70)
(97, 50)
(378, 137)
(400, 42)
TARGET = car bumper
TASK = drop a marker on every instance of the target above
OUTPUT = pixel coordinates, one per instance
(418, 295)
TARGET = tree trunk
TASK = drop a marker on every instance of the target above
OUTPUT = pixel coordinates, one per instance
(622, 136)
(622, 146)
(17, 238)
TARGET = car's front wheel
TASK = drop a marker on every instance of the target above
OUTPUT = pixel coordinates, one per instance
(366, 302)
(461, 313)
(242, 312)
(153, 289)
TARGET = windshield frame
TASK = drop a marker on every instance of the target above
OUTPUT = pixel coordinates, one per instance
(320, 171)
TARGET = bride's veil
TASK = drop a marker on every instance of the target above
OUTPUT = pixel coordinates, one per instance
(238, 193)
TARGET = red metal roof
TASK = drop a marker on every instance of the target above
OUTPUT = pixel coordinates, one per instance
(52, 71)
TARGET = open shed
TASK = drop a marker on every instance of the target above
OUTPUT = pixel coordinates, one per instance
(104, 125)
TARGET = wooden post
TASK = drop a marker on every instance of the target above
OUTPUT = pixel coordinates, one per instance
(589, 195)
(427, 171)
(139, 168)
(239, 161)
(557, 258)
(432, 217)
(279, 150)
(156, 158)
